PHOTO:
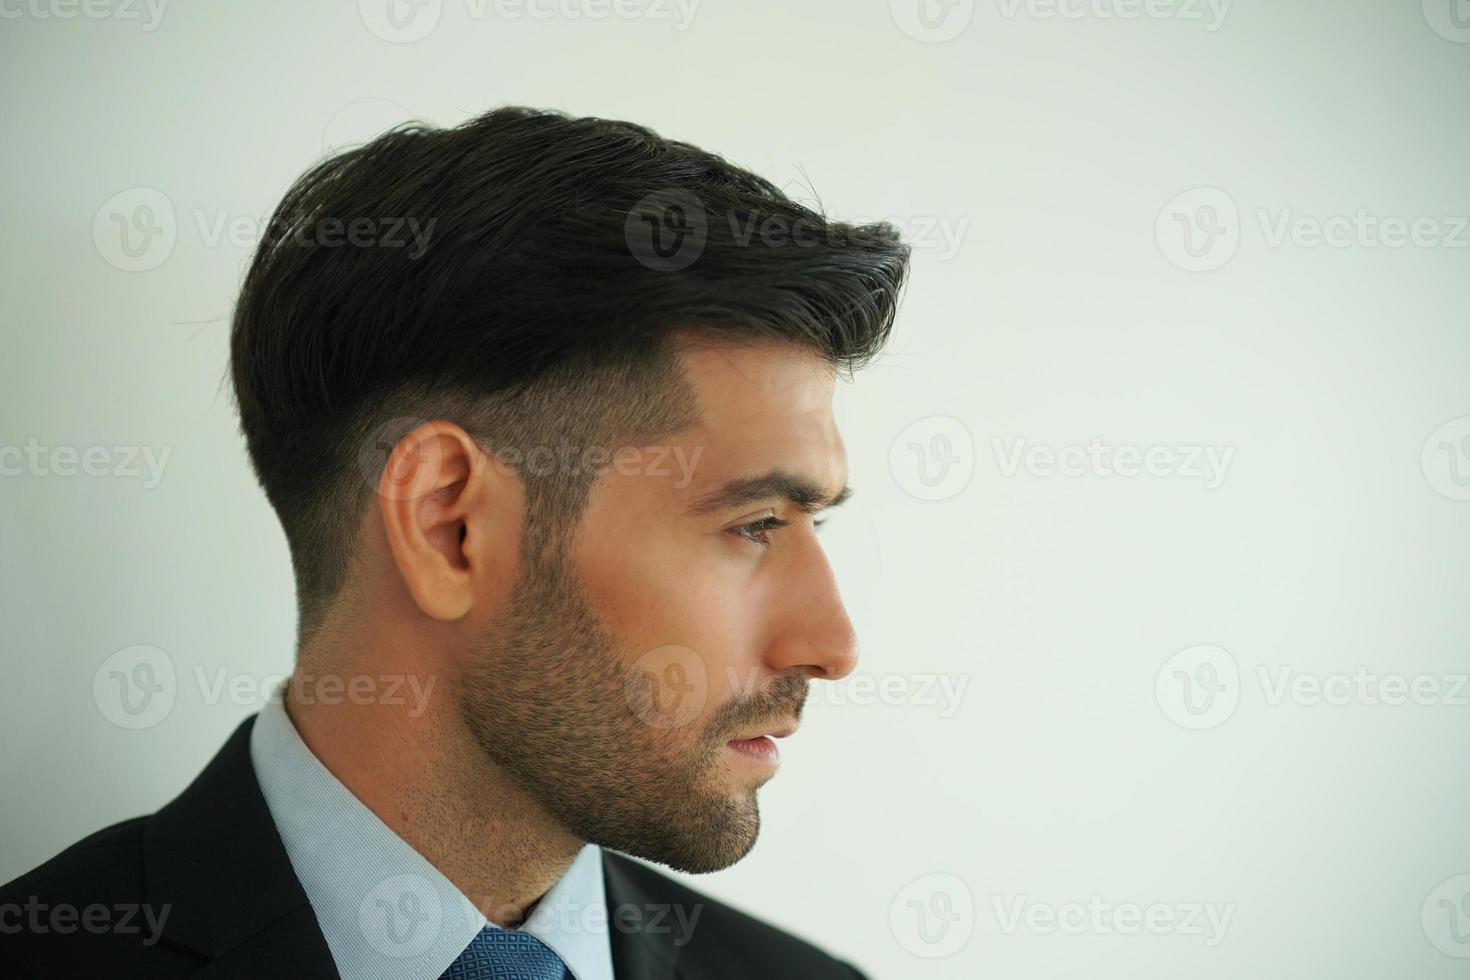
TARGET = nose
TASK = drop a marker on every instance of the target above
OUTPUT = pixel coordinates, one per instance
(815, 636)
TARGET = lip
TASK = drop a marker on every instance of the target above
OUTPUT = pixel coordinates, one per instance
(781, 729)
(760, 750)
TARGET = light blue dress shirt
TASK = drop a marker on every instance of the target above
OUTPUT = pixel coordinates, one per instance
(385, 911)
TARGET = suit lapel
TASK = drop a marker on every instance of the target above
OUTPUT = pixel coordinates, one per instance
(213, 857)
(638, 954)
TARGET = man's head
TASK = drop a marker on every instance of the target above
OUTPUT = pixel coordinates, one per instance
(546, 406)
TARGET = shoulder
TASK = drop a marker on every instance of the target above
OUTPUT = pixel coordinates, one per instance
(84, 907)
(706, 931)
(107, 864)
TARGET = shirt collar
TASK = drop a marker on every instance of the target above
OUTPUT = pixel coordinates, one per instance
(384, 910)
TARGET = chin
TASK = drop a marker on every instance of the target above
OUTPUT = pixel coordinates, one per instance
(700, 839)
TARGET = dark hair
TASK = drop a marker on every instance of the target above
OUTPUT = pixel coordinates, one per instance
(519, 274)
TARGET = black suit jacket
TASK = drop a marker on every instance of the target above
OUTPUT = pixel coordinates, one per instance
(213, 863)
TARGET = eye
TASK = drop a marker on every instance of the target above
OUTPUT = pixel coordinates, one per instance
(756, 531)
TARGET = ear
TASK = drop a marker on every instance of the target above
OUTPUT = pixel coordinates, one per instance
(433, 493)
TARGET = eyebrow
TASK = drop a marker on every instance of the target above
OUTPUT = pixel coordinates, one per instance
(807, 495)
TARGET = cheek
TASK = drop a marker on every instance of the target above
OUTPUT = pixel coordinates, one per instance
(678, 594)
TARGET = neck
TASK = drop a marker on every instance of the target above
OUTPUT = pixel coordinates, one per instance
(409, 758)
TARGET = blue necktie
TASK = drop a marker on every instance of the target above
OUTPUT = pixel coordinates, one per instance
(506, 954)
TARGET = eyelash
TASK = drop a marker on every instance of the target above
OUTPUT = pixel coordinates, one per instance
(755, 531)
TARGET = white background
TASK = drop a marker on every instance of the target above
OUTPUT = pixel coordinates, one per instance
(1055, 150)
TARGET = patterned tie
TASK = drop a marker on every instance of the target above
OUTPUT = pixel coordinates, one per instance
(506, 954)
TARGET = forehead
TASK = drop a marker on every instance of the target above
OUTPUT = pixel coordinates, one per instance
(763, 408)
(754, 390)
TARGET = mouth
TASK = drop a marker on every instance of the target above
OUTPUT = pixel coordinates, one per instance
(759, 746)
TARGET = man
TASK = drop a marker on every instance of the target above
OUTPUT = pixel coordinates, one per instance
(544, 407)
